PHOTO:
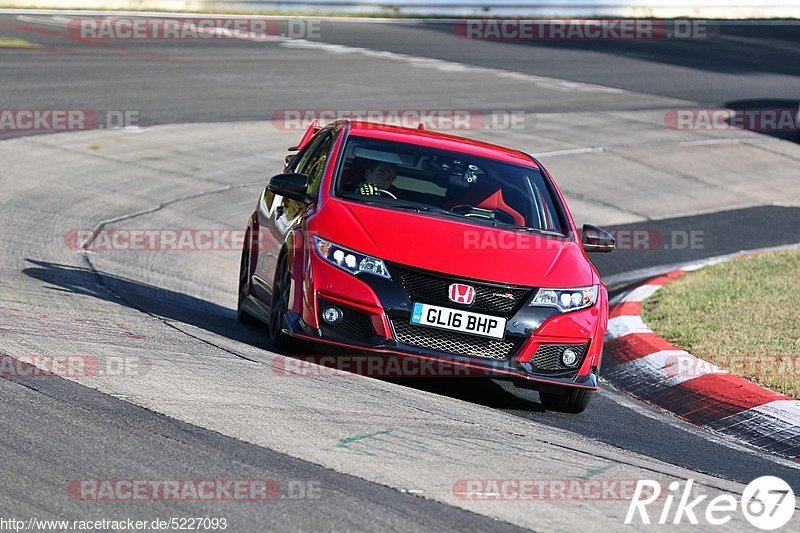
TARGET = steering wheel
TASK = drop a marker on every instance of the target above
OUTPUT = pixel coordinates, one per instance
(387, 193)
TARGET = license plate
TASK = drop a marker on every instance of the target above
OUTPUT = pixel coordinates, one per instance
(457, 320)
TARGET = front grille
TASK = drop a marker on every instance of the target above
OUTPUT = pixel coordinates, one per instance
(548, 356)
(452, 342)
(434, 289)
(355, 324)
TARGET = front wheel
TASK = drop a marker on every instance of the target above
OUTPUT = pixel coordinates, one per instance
(277, 311)
(573, 401)
(244, 290)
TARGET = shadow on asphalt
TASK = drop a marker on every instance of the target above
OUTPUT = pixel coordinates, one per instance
(669, 242)
(222, 321)
(787, 108)
(147, 298)
(605, 420)
(480, 391)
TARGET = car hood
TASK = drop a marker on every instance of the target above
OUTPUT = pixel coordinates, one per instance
(452, 247)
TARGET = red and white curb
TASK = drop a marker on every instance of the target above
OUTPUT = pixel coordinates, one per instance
(651, 369)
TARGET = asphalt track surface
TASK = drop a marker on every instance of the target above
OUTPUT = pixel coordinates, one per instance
(55, 430)
(196, 81)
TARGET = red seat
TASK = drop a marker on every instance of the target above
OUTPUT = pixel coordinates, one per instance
(496, 202)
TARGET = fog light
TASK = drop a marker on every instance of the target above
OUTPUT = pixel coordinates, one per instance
(569, 357)
(332, 315)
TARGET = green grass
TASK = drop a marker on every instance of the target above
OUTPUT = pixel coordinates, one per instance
(742, 315)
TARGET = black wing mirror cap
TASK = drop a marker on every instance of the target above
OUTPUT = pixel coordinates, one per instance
(596, 239)
(290, 185)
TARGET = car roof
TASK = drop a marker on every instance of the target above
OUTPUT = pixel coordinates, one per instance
(432, 139)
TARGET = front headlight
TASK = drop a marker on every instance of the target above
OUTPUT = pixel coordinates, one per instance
(349, 260)
(566, 299)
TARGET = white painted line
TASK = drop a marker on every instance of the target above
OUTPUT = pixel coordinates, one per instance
(787, 409)
(649, 375)
(637, 294)
(440, 65)
(640, 293)
(615, 394)
(619, 326)
(698, 266)
(663, 369)
(587, 150)
(595, 149)
(774, 427)
(742, 140)
(46, 21)
(451, 66)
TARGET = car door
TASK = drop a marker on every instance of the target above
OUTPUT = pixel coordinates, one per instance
(277, 216)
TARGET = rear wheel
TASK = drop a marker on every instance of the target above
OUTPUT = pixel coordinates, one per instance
(244, 290)
(573, 401)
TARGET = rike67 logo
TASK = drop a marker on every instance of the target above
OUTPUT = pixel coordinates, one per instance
(767, 503)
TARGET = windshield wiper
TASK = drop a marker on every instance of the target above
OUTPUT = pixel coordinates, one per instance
(530, 230)
(390, 203)
(413, 206)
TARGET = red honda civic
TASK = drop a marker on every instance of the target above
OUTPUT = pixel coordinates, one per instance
(406, 242)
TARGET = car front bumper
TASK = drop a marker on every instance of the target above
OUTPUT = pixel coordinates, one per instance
(378, 324)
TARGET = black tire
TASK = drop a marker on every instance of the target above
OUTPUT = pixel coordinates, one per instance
(244, 283)
(574, 401)
(280, 304)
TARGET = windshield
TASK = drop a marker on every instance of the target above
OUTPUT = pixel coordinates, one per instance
(479, 190)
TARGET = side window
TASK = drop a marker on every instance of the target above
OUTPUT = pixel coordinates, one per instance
(316, 165)
(301, 160)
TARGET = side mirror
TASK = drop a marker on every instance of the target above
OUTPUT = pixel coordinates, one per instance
(596, 239)
(293, 186)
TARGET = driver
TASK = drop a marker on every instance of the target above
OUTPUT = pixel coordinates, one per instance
(378, 177)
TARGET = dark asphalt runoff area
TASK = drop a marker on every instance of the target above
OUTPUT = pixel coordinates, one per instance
(56, 430)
